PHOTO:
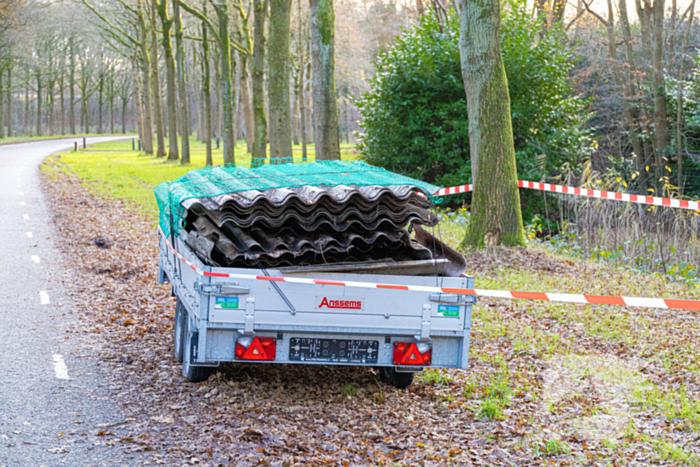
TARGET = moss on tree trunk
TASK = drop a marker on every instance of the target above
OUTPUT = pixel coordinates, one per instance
(182, 85)
(260, 120)
(325, 116)
(278, 87)
(495, 212)
(171, 94)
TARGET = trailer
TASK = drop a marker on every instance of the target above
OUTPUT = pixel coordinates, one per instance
(351, 276)
(400, 333)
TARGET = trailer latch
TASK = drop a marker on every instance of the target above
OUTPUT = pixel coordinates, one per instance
(452, 298)
(425, 323)
(221, 289)
(249, 316)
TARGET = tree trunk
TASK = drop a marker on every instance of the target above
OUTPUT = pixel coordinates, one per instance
(155, 80)
(2, 105)
(39, 130)
(144, 94)
(50, 105)
(100, 95)
(247, 103)
(171, 94)
(85, 114)
(206, 89)
(301, 98)
(26, 108)
(260, 131)
(62, 87)
(495, 212)
(139, 102)
(71, 103)
(325, 113)
(644, 13)
(630, 92)
(219, 100)
(182, 85)
(278, 84)
(679, 116)
(660, 108)
(227, 91)
(124, 104)
(9, 103)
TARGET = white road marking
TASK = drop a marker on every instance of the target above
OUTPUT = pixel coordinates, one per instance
(20, 193)
(35, 259)
(19, 186)
(25, 217)
(44, 296)
(59, 366)
(30, 235)
(22, 203)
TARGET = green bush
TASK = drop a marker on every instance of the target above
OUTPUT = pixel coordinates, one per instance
(414, 118)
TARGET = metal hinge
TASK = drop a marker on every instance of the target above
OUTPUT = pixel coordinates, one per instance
(221, 289)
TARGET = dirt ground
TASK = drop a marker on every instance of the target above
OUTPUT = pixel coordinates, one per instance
(540, 390)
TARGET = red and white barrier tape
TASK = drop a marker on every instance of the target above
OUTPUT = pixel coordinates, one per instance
(554, 297)
(653, 200)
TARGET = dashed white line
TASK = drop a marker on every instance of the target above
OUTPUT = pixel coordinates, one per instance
(44, 297)
(35, 259)
(59, 366)
(25, 217)
(30, 235)
(20, 193)
(22, 203)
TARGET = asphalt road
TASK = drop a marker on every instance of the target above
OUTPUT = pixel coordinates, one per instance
(50, 389)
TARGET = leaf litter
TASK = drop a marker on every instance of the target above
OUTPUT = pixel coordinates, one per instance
(545, 386)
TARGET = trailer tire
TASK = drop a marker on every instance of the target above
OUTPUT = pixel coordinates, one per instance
(179, 330)
(399, 380)
(192, 373)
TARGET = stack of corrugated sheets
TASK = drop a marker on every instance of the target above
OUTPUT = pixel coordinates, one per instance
(340, 226)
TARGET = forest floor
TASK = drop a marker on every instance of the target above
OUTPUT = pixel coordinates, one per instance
(548, 383)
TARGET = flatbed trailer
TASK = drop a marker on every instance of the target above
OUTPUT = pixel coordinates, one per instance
(223, 319)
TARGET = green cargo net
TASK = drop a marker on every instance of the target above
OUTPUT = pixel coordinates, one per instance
(214, 181)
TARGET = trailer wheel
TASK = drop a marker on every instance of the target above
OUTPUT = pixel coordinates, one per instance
(179, 329)
(193, 373)
(397, 379)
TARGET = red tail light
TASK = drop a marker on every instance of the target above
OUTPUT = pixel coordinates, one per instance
(412, 353)
(256, 348)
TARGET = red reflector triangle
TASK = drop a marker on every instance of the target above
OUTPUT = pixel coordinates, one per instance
(255, 351)
(412, 356)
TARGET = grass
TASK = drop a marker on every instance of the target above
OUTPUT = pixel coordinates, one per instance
(113, 169)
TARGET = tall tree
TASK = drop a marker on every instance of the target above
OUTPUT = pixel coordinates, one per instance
(495, 213)
(278, 87)
(260, 120)
(679, 115)
(222, 35)
(182, 85)
(325, 116)
(71, 83)
(206, 88)
(171, 94)
(660, 106)
(154, 73)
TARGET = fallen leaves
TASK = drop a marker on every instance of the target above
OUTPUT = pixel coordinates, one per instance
(539, 370)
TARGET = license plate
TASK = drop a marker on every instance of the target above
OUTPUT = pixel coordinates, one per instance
(304, 349)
